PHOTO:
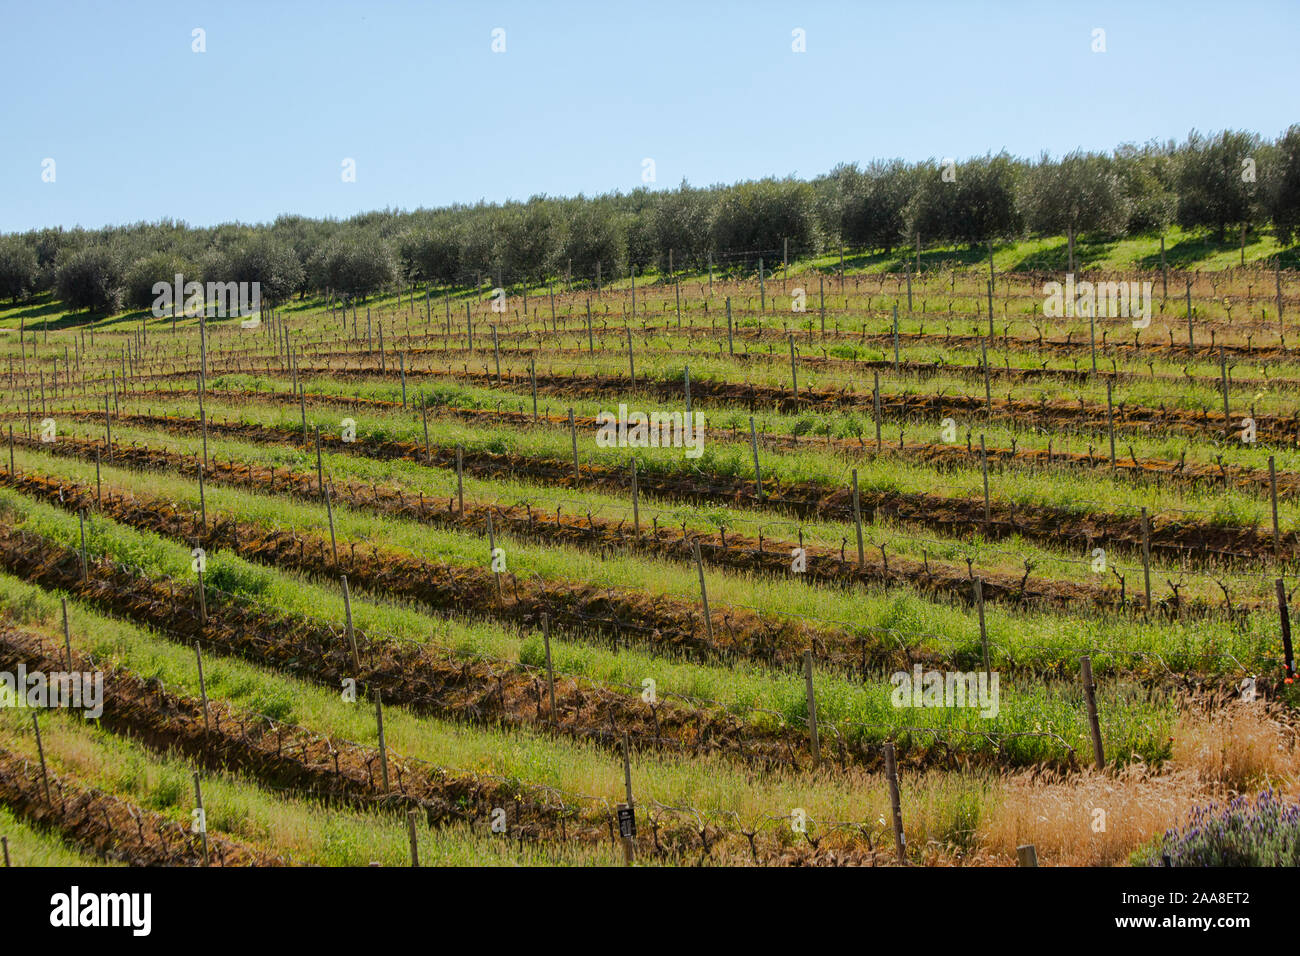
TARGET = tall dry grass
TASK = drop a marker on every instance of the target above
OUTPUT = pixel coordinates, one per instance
(1098, 819)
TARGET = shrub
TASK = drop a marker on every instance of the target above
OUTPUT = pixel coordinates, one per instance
(18, 269)
(1263, 833)
(359, 269)
(91, 279)
(146, 272)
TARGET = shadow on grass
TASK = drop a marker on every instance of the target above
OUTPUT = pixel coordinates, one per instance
(1088, 254)
(1192, 252)
(42, 307)
(40, 321)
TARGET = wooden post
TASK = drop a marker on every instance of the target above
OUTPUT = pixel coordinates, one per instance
(1146, 557)
(629, 846)
(1090, 695)
(1223, 379)
(631, 359)
(984, 469)
(550, 670)
(4, 846)
(988, 386)
(352, 634)
(203, 817)
(203, 600)
(401, 362)
(1026, 855)
(85, 562)
(990, 290)
(1092, 339)
(814, 741)
(636, 504)
(329, 511)
(895, 338)
(383, 744)
(857, 522)
(460, 480)
(67, 633)
(753, 445)
(1272, 490)
(821, 292)
(731, 345)
(794, 372)
(895, 806)
(1191, 334)
(1284, 616)
(320, 470)
(203, 503)
(978, 586)
(704, 591)
(1110, 421)
(40, 753)
(875, 402)
(424, 419)
(411, 817)
(492, 547)
(573, 437)
(532, 376)
(591, 344)
(686, 386)
(203, 687)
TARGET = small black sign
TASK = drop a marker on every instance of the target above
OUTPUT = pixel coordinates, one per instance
(626, 822)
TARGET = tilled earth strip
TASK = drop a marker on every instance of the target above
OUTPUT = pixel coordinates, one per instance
(929, 410)
(109, 826)
(937, 455)
(471, 690)
(289, 757)
(1183, 540)
(833, 359)
(770, 556)
(662, 624)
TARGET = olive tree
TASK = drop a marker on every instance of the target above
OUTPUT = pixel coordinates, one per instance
(19, 269)
(90, 278)
(1216, 182)
(1082, 193)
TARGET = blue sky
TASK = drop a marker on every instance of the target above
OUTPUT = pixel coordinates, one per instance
(140, 127)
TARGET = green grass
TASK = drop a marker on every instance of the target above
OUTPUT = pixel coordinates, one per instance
(295, 827)
(582, 773)
(1065, 491)
(29, 846)
(1137, 717)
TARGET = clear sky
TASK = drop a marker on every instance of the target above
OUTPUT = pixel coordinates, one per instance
(140, 127)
